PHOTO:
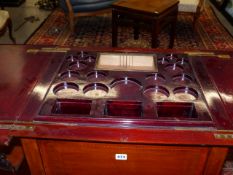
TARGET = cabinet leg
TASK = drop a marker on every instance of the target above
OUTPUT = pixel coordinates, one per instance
(215, 161)
(33, 157)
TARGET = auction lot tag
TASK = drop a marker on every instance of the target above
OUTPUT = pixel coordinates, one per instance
(121, 156)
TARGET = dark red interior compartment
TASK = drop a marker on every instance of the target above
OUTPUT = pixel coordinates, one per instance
(71, 106)
(124, 108)
(176, 110)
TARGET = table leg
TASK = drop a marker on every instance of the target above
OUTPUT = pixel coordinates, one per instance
(136, 30)
(154, 33)
(114, 28)
(172, 32)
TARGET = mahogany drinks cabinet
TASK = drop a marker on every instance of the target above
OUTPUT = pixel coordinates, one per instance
(95, 111)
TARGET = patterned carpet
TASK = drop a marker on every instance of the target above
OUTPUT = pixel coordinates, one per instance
(96, 31)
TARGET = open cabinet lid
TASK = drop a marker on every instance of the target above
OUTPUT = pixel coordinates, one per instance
(20, 71)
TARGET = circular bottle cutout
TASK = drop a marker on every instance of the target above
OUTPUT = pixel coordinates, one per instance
(126, 82)
(90, 59)
(96, 76)
(156, 93)
(172, 56)
(185, 93)
(66, 89)
(69, 75)
(182, 78)
(82, 54)
(78, 65)
(95, 90)
(72, 58)
(163, 60)
(182, 61)
(174, 68)
(155, 78)
(126, 87)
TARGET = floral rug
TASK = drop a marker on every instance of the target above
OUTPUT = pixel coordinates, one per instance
(96, 32)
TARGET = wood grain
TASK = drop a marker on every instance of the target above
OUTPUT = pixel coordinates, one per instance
(33, 157)
(86, 158)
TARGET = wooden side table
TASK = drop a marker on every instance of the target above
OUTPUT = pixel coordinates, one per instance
(156, 13)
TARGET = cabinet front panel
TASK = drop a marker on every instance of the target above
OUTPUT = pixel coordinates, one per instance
(85, 158)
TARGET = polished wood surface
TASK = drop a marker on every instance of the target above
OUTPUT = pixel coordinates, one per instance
(217, 157)
(15, 84)
(50, 142)
(99, 158)
(19, 75)
(32, 153)
(220, 71)
(150, 6)
(43, 75)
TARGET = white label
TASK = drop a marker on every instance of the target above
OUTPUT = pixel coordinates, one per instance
(121, 156)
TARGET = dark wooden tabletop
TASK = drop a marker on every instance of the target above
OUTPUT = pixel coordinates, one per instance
(151, 6)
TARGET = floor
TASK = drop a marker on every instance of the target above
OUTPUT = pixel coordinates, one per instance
(21, 31)
(223, 20)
